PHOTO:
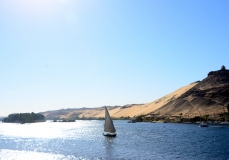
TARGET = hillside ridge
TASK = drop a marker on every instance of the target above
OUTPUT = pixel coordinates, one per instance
(209, 96)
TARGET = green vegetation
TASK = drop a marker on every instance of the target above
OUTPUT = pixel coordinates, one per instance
(206, 117)
(181, 115)
(197, 119)
(24, 118)
(223, 116)
(123, 118)
(139, 118)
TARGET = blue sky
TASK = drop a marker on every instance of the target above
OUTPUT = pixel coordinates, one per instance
(70, 54)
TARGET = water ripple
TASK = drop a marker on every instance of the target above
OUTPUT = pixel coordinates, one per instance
(84, 140)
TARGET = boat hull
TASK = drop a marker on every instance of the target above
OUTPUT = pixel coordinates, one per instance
(202, 124)
(109, 134)
(224, 123)
(131, 121)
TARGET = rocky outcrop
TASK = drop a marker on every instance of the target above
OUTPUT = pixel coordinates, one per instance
(209, 96)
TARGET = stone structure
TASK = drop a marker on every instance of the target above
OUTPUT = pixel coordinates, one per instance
(223, 70)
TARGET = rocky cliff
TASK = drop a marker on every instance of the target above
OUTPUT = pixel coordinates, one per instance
(209, 96)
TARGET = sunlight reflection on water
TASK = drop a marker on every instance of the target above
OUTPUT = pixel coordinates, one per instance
(22, 155)
(84, 140)
(47, 130)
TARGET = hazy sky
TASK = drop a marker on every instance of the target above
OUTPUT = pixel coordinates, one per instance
(77, 53)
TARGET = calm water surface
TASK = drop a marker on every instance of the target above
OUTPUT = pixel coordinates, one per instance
(84, 140)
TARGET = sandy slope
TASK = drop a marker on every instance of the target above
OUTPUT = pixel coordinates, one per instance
(209, 97)
(131, 110)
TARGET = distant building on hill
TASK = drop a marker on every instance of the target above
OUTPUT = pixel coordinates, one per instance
(223, 67)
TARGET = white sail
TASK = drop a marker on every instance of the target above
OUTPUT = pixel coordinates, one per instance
(108, 126)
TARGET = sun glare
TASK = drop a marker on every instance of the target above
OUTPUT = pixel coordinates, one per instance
(35, 6)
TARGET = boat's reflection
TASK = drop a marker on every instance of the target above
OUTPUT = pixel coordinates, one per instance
(108, 145)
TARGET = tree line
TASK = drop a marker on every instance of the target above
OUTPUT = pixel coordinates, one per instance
(24, 118)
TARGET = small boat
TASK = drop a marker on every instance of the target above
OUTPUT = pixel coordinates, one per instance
(109, 129)
(224, 123)
(202, 124)
(132, 121)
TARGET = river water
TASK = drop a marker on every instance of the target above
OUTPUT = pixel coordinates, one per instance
(84, 140)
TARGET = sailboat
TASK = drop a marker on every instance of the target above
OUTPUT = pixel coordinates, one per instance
(109, 129)
(203, 124)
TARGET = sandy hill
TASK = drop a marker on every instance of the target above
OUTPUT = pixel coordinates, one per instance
(130, 110)
(209, 96)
